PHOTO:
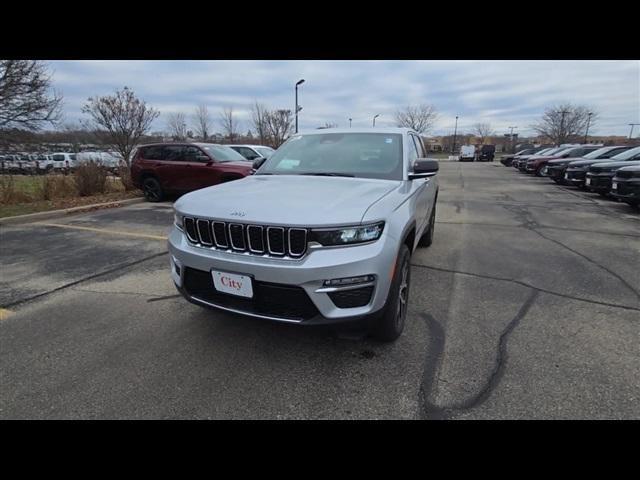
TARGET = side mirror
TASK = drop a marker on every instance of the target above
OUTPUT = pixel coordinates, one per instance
(423, 168)
(203, 159)
(257, 163)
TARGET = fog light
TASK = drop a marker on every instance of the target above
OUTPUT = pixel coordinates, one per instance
(348, 280)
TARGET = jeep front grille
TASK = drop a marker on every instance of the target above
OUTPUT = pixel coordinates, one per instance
(253, 239)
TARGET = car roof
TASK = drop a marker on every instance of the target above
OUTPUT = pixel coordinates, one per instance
(387, 130)
(172, 144)
(247, 145)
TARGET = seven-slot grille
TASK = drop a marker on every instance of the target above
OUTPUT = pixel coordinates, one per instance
(239, 237)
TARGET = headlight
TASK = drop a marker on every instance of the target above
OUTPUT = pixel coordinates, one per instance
(177, 221)
(348, 235)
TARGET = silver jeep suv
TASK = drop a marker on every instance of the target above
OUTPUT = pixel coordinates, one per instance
(321, 233)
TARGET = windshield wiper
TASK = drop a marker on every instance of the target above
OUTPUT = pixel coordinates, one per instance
(328, 174)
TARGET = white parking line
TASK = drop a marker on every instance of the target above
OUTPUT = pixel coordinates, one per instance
(104, 230)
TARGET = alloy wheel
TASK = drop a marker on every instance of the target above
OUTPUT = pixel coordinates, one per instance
(403, 295)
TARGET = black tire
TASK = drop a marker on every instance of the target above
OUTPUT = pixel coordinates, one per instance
(427, 237)
(152, 189)
(390, 323)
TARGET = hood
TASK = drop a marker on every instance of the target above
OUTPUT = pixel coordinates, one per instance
(564, 161)
(287, 200)
(240, 163)
(541, 157)
(586, 163)
(608, 166)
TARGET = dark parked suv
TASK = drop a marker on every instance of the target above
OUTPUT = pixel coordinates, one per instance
(164, 168)
(557, 168)
(626, 185)
(576, 173)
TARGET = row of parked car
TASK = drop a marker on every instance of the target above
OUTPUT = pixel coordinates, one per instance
(40, 163)
(36, 163)
(612, 171)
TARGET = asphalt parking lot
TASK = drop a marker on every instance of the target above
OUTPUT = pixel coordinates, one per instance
(527, 305)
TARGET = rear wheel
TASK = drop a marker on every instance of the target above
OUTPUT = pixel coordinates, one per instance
(152, 189)
(390, 324)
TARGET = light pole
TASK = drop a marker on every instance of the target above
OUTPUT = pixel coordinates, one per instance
(511, 139)
(588, 122)
(350, 122)
(300, 82)
(455, 134)
(561, 137)
(374, 119)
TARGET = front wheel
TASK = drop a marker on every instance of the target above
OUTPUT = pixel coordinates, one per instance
(390, 324)
(152, 189)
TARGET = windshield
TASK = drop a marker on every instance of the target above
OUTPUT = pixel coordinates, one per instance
(555, 151)
(222, 153)
(627, 154)
(598, 153)
(544, 152)
(364, 155)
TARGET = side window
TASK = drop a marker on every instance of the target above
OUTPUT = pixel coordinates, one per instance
(247, 153)
(191, 154)
(173, 153)
(152, 153)
(412, 154)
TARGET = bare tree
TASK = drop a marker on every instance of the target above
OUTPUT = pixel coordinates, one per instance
(177, 126)
(124, 118)
(229, 124)
(279, 124)
(259, 114)
(27, 100)
(562, 123)
(420, 118)
(202, 122)
(482, 131)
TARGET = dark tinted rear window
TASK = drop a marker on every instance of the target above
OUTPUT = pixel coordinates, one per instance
(154, 152)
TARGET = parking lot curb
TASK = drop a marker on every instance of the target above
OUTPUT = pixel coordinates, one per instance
(35, 217)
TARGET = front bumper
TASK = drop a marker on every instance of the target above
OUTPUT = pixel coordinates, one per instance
(598, 182)
(575, 177)
(626, 189)
(305, 275)
(556, 173)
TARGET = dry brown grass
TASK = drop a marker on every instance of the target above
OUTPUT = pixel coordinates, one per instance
(90, 179)
(125, 177)
(51, 187)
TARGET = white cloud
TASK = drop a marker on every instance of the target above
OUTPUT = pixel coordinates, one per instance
(503, 93)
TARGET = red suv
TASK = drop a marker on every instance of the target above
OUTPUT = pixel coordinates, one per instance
(164, 168)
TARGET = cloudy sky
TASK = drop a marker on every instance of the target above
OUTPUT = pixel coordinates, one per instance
(504, 93)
